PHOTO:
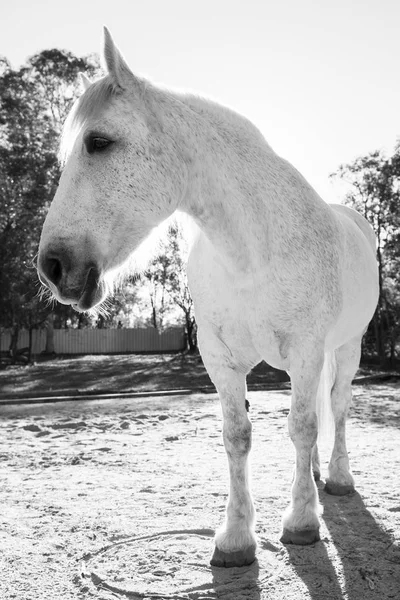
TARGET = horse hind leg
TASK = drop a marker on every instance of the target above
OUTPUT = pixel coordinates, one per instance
(301, 519)
(340, 480)
(315, 460)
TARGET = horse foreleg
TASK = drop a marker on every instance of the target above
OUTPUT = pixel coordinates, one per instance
(340, 480)
(235, 541)
(301, 521)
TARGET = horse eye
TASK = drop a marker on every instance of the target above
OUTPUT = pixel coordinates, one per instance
(96, 144)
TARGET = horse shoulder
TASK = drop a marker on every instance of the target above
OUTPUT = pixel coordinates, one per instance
(220, 314)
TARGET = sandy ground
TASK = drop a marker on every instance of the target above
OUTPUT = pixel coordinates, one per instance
(119, 499)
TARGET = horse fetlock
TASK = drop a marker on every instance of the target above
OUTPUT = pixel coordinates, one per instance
(340, 481)
(339, 472)
(302, 530)
(304, 517)
(234, 546)
(235, 538)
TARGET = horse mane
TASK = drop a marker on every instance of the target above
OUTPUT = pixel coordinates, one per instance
(88, 105)
(93, 101)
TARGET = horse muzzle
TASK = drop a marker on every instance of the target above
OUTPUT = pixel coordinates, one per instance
(72, 281)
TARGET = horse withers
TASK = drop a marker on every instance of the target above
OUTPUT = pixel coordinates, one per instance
(275, 272)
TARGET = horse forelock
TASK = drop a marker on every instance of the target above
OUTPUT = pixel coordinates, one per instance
(89, 105)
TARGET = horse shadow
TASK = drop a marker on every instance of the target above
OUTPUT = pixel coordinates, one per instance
(231, 582)
(357, 560)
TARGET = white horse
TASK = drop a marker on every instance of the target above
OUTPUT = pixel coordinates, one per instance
(275, 272)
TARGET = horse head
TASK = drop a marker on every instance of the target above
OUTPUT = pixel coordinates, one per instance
(122, 176)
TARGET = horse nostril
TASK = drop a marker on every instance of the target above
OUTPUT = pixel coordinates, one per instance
(53, 270)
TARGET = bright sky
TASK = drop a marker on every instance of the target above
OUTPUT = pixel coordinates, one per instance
(320, 79)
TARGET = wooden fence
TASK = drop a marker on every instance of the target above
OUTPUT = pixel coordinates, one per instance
(101, 341)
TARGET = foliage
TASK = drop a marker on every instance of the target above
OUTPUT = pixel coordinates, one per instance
(177, 285)
(166, 282)
(374, 190)
(34, 101)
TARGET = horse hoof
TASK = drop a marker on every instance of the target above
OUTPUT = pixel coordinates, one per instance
(303, 537)
(338, 489)
(240, 558)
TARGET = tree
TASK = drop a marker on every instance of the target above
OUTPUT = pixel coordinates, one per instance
(22, 185)
(177, 284)
(34, 101)
(374, 190)
(167, 285)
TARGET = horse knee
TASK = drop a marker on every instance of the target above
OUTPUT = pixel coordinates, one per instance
(237, 438)
(303, 428)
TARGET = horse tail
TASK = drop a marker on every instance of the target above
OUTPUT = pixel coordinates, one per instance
(326, 422)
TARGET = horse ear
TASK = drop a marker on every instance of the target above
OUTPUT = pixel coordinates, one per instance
(115, 63)
(85, 81)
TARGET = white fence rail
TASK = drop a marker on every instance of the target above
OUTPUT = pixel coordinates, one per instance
(101, 341)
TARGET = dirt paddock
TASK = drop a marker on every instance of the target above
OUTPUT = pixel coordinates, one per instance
(119, 499)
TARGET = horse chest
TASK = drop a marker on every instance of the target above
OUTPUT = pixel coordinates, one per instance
(240, 317)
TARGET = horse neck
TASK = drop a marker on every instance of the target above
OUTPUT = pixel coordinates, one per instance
(243, 196)
(226, 158)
